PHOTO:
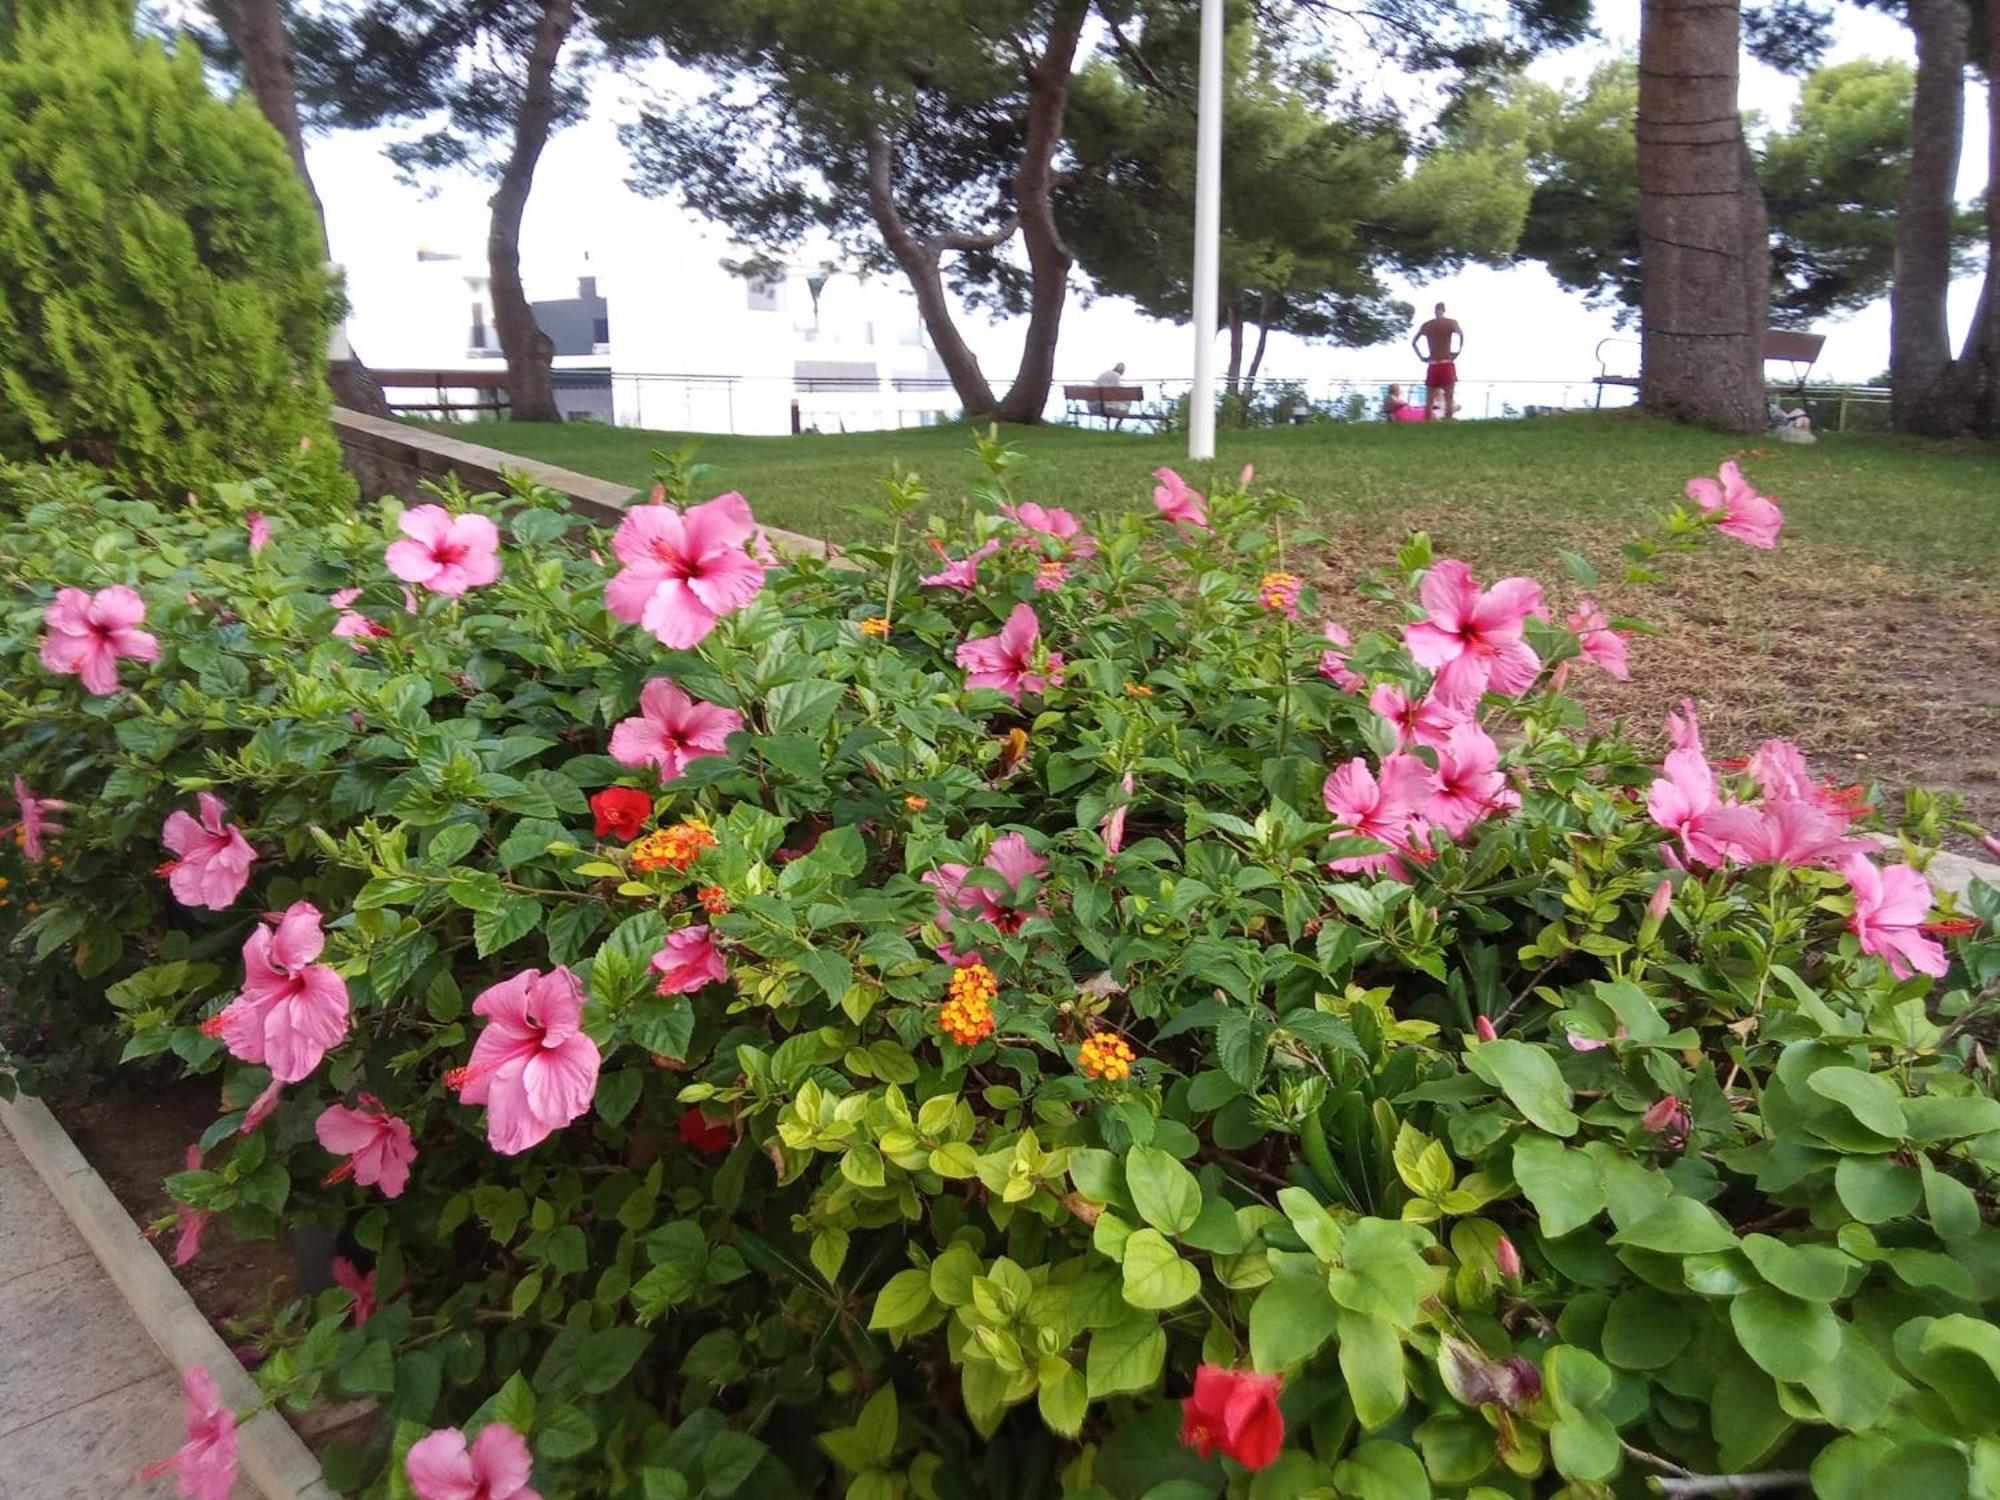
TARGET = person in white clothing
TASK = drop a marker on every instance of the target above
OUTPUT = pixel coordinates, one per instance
(1115, 411)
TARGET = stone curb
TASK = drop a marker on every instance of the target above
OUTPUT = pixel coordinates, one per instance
(269, 1453)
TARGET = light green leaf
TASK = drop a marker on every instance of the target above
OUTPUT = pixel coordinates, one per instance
(904, 1298)
(1165, 1192)
(1872, 1099)
(1528, 1076)
(1124, 1357)
(1156, 1278)
(1563, 1185)
(1382, 1470)
(1679, 1226)
(1291, 1318)
(1817, 1273)
(1371, 1362)
(1789, 1337)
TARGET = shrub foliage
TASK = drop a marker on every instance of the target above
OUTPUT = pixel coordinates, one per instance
(165, 303)
(975, 1010)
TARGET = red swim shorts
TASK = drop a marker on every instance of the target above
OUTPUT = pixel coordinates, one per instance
(1443, 373)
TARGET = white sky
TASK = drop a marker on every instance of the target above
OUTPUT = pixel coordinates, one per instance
(1520, 325)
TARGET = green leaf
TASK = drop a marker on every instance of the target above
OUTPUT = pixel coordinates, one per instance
(1063, 1397)
(604, 1359)
(1789, 1337)
(564, 1433)
(477, 890)
(1876, 1190)
(875, 1428)
(1125, 1357)
(1371, 1362)
(1645, 1329)
(904, 1298)
(829, 969)
(729, 1459)
(1817, 1273)
(1164, 1191)
(1382, 1470)
(1953, 1209)
(1679, 1226)
(1872, 1099)
(372, 1372)
(1156, 1278)
(1528, 1076)
(617, 1092)
(662, 1024)
(1563, 1185)
(802, 707)
(1291, 1318)
(514, 919)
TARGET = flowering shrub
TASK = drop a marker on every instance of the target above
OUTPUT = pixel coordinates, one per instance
(780, 1029)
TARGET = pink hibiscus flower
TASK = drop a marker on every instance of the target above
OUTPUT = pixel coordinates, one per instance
(1333, 661)
(89, 634)
(1599, 642)
(1380, 807)
(1467, 784)
(1052, 522)
(532, 1067)
(689, 961)
(671, 729)
(353, 626)
(1111, 827)
(348, 1277)
(290, 1009)
(192, 1221)
(1746, 515)
(496, 1467)
(1684, 729)
(1011, 859)
(1417, 721)
(444, 553)
(683, 570)
(1780, 769)
(1006, 662)
(1889, 910)
(1474, 640)
(215, 859)
(1780, 833)
(35, 823)
(963, 574)
(377, 1145)
(1177, 502)
(259, 527)
(205, 1466)
(1683, 802)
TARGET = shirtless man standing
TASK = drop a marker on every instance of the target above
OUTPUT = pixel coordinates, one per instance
(1439, 342)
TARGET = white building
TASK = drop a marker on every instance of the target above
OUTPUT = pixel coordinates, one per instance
(657, 330)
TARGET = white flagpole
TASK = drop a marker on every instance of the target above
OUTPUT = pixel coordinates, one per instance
(1207, 232)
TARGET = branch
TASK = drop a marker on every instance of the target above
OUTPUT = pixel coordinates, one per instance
(966, 239)
(1730, 1484)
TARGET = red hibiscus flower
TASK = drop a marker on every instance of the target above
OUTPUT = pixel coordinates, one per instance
(704, 1136)
(621, 810)
(1235, 1411)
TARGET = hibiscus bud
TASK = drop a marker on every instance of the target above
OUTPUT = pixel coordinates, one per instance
(1663, 897)
(1519, 1382)
(1483, 1027)
(1992, 842)
(1664, 1115)
(1507, 1258)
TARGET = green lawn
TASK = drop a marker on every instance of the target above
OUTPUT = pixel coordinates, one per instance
(1507, 484)
(1870, 635)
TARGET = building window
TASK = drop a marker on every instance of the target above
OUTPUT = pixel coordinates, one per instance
(763, 296)
(600, 330)
(478, 325)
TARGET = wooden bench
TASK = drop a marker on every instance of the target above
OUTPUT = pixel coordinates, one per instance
(491, 384)
(1799, 349)
(1095, 401)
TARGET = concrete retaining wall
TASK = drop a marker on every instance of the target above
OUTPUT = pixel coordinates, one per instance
(393, 458)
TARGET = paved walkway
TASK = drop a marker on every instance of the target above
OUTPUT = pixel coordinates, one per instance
(86, 1399)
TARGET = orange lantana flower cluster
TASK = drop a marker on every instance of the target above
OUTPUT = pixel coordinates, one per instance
(967, 1015)
(673, 848)
(1105, 1055)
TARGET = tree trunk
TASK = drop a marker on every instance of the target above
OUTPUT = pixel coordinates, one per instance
(1034, 200)
(1989, 305)
(919, 259)
(256, 29)
(1919, 333)
(1263, 338)
(530, 353)
(1704, 247)
(1233, 312)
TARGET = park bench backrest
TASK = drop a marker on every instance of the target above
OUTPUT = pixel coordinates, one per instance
(1785, 343)
(1104, 393)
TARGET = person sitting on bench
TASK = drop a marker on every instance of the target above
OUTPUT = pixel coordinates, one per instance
(1116, 411)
